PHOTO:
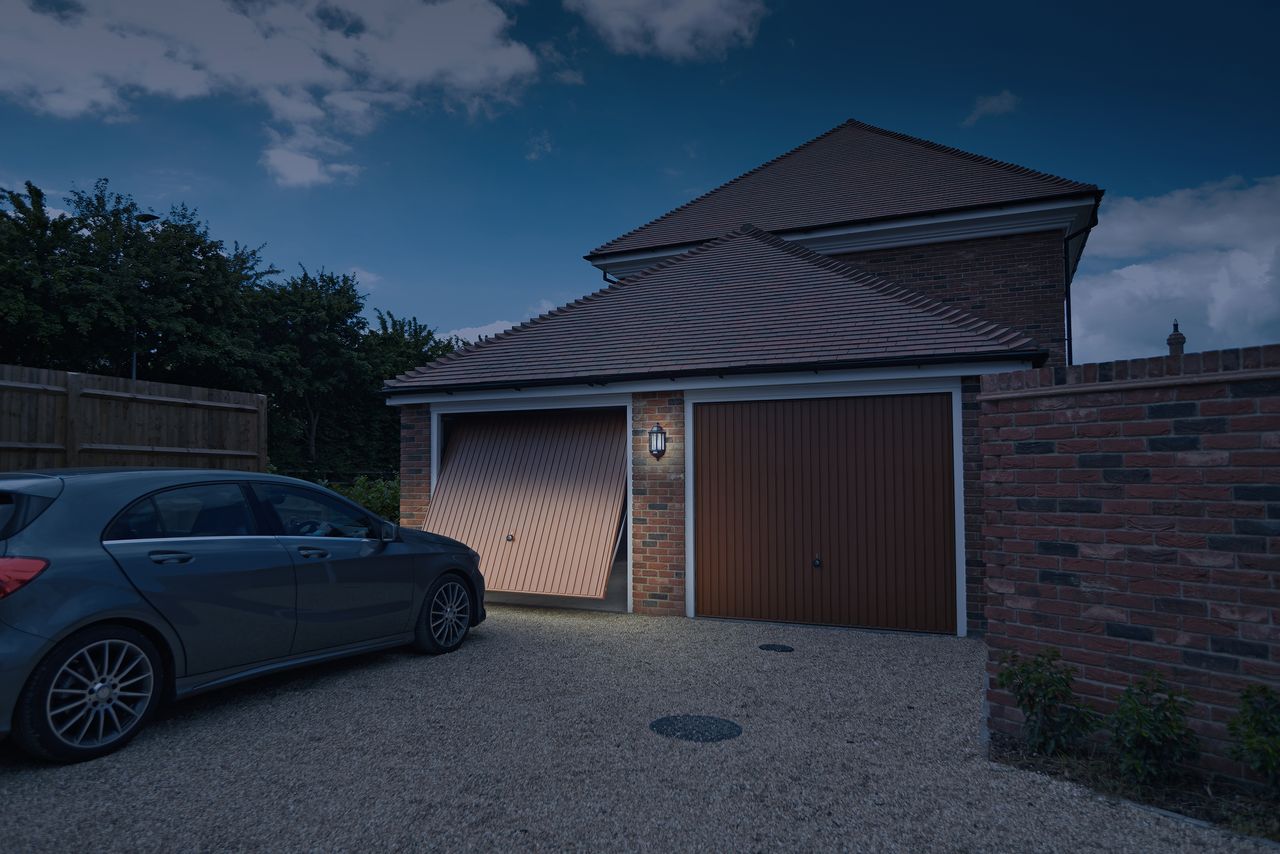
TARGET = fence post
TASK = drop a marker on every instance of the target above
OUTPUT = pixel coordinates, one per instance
(262, 432)
(74, 384)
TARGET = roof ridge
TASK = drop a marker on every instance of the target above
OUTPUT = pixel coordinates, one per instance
(894, 290)
(1015, 168)
(720, 187)
(564, 309)
(969, 155)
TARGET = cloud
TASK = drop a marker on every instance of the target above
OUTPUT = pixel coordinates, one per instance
(539, 146)
(368, 278)
(1208, 255)
(569, 77)
(474, 333)
(991, 105)
(323, 70)
(673, 29)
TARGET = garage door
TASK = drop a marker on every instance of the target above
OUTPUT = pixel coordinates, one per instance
(539, 495)
(836, 511)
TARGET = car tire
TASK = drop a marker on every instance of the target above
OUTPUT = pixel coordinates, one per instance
(446, 615)
(90, 695)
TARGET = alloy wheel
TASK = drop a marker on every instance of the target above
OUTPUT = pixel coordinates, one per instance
(100, 694)
(450, 614)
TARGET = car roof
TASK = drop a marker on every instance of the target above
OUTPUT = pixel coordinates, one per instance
(143, 474)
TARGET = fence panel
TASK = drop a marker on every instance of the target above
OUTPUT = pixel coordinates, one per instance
(56, 419)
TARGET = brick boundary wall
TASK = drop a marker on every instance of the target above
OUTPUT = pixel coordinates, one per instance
(657, 512)
(415, 464)
(1132, 520)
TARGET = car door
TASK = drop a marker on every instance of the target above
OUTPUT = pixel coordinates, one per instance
(352, 587)
(228, 589)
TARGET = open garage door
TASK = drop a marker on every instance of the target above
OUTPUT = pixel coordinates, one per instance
(540, 495)
(837, 510)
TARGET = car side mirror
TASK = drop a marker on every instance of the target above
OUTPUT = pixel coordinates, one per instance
(389, 532)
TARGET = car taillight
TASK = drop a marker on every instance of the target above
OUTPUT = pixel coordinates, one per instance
(17, 571)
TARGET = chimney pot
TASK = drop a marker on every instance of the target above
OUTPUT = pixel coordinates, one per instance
(1175, 340)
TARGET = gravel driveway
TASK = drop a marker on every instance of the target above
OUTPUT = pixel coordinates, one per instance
(535, 735)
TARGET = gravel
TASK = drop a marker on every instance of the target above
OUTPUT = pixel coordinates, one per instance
(536, 736)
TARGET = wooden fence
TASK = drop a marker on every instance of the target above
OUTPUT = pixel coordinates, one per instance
(55, 419)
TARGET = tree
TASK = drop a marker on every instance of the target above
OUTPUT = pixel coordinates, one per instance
(309, 330)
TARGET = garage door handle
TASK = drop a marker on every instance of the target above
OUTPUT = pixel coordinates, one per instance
(817, 561)
(312, 553)
(169, 558)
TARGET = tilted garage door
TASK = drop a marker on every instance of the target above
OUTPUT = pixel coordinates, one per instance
(837, 511)
(539, 495)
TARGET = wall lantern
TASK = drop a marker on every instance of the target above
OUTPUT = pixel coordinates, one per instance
(657, 441)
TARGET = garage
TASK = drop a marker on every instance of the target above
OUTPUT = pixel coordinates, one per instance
(836, 511)
(540, 496)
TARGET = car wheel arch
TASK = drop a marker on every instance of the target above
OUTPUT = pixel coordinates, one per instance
(169, 662)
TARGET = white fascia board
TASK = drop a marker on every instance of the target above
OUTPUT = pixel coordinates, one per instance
(1064, 215)
(616, 394)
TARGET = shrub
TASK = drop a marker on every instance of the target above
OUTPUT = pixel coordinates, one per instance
(1256, 730)
(381, 495)
(1149, 730)
(1053, 721)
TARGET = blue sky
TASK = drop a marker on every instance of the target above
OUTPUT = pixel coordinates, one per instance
(464, 155)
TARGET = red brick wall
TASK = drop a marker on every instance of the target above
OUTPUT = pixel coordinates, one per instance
(415, 464)
(1018, 280)
(971, 452)
(657, 511)
(1132, 520)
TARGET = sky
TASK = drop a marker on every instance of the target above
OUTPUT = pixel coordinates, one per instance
(461, 156)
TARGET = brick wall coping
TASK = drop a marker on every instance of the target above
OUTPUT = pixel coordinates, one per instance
(1123, 385)
(1235, 365)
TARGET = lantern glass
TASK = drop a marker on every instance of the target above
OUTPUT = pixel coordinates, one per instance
(657, 441)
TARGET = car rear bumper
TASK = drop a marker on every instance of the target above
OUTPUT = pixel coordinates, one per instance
(19, 653)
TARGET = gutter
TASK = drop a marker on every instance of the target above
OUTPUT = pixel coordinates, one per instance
(1037, 358)
(796, 232)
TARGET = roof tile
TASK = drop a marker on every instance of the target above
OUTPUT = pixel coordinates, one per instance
(746, 301)
(854, 172)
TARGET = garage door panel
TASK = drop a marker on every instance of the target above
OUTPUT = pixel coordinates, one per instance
(862, 484)
(555, 482)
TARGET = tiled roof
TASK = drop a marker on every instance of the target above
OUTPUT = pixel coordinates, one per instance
(852, 173)
(744, 302)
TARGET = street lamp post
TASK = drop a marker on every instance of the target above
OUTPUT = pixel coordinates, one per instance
(142, 219)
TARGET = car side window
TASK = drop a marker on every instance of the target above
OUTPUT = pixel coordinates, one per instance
(204, 510)
(303, 513)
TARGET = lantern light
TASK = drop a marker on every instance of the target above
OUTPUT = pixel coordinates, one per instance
(657, 441)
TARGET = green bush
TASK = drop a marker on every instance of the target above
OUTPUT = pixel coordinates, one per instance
(381, 495)
(1256, 730)
(1149, 730)
(1053, 721)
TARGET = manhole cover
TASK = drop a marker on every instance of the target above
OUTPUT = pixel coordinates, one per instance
(696, 728)
(777, 647)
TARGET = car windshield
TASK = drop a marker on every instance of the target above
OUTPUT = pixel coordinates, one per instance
(17, 511)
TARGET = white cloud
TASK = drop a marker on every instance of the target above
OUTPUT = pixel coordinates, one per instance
(368, 278)
(674, 29)
(570, 77)
(539, 146)
(991, 105)
(322, 69)
(1208, 256)
(474, 333)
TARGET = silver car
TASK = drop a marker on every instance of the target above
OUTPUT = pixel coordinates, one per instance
(121, 589)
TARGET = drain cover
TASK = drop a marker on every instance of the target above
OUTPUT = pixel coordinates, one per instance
(696, 728)
(777, 647)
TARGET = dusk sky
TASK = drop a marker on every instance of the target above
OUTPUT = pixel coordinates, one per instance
(462, 156)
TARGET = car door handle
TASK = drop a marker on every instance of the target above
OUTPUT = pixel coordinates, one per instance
(312, 553)
(168, 558)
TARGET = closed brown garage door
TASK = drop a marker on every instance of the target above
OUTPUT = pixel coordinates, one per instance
(836, 511)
